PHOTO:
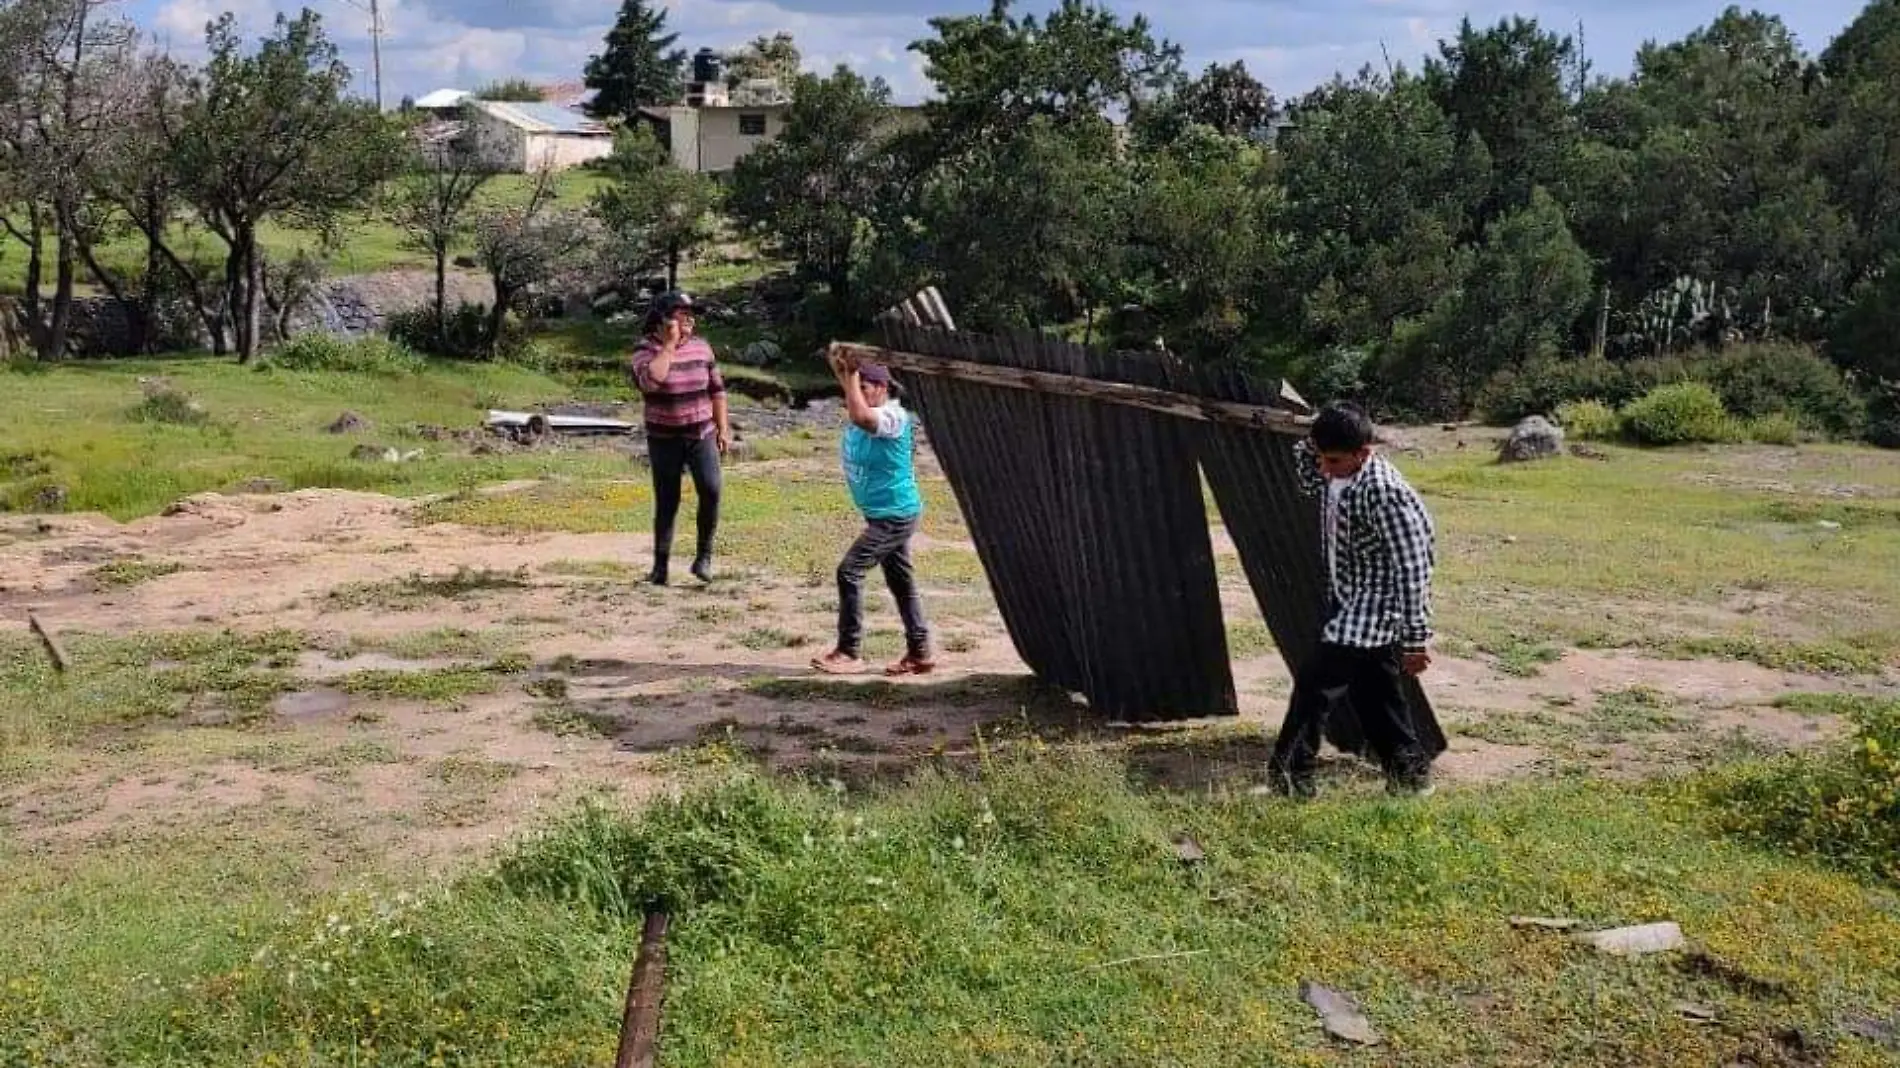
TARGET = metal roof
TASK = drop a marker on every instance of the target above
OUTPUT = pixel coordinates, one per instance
(543, 118)
(443, 98)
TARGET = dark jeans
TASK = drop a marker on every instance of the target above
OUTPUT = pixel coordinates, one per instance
(1373, 681)
(671, 457)
(885, 542)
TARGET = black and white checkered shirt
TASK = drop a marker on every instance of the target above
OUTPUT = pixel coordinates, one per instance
(1381, 590)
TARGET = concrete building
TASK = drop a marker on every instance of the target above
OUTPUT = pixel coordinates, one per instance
(520, 137)
(710, 140)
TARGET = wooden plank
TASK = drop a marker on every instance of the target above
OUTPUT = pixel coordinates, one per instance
(640, 1026)
(54, 650)
(1202, 409)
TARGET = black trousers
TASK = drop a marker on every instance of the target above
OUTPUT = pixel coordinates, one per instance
(1374, 682)
(885, 542)
(671, 458)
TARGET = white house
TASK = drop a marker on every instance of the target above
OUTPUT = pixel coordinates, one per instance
(710, 139)
(522, 137)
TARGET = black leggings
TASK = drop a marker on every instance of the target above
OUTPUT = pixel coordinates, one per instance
(671, 458)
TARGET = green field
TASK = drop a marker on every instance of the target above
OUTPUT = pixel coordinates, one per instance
(192, 878)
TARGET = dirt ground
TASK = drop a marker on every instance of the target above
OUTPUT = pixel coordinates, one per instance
(621, 678)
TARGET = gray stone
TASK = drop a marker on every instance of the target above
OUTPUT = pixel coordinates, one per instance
(1636, 941)
(1534, 438)
(367, 453)
(50, 499)
(347, 423)
(1339, 1015)
(760, 353)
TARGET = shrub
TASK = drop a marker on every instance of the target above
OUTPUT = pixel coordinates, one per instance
(1883, 418)
(1778, 428)
(1540, 387)
(1681, 413)
(1776, 379)
(1591, 420)
(1843, 806)
(328, 352)
(168, 406)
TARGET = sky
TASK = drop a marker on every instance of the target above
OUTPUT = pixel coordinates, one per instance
(1291, 45)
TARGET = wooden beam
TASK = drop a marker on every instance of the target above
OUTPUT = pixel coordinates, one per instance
(1165, 402)
(54, 650)
(640, 1026)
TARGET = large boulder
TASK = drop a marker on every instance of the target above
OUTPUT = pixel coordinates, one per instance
(1533, 438)
(760, 354)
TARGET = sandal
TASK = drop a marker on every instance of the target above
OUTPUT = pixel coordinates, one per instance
(911, 665)
(837, 663)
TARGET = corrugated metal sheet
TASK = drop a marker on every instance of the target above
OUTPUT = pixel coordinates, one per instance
(542, 117)
(1090, 524)
(1089, 521)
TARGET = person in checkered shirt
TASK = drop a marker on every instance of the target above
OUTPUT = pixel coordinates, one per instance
(1377, 538)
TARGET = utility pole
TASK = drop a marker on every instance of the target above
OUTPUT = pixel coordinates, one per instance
(376, 49)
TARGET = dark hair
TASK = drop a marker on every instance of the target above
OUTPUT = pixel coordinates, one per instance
(1341, 428)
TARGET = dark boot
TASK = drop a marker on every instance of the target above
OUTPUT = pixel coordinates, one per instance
(702, 567)
(658, 575)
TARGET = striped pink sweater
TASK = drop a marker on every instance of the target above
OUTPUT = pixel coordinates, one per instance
(680, 406)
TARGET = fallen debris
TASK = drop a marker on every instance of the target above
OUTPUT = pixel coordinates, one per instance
(1636, 941)
(54, 650)
(1340, 1016)
(1544, 923)
(640, 1026)
(538, 423)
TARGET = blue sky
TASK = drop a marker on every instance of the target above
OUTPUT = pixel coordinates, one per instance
(1292, 45)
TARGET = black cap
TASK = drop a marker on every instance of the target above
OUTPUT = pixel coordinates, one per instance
(670, 302)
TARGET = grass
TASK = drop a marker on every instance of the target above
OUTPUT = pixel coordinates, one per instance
(131, 571)
(1034, 914)
(416, 590)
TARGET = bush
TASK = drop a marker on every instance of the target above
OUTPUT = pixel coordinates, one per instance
(1773, 379)
(1591, 420)
(1843, 806)
(169, 406)
(1540, 387)
(1883, 418)
(1681, 413)
(1780, 428)
(328, 352)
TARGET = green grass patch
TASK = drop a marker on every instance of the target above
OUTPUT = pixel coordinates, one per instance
(435, 685)
(575, 721)
(766, 639)
(131, 571)
(1033, 914)
(416, 590)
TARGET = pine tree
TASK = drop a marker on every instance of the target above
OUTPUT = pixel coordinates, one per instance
(640, 66)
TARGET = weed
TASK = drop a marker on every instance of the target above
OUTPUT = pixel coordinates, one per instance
(131, 570)
(1638, 710)
(568, 720)
(762, 639)
(1520, 656)
(417, 590)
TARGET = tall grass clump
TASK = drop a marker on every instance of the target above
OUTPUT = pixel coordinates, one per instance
(1842, 806)
(328, 352)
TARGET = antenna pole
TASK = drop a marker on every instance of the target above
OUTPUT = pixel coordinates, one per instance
(376, 49)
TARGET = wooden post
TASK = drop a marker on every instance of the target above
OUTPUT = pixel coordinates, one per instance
(1186, 406)
(640, 1026)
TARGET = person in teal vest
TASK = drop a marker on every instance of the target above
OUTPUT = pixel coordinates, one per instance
(879, 441)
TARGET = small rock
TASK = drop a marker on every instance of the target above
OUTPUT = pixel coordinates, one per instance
(367, 453)
(1828, 524)
(1534, 438)
(1341, 1018)
(1636, 941)
(1188, 850)
(347, 423)
(50, 499)
(1695, 1013)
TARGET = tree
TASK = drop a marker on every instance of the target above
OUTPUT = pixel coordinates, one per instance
(526, 245)
(654, 212)
(65, 95)
(431, 206)
(640, 66)
(1859, 146)
(1229, 99)
(516, 89)
(1505, 87)
(775, 57)
(270, 135)
(813, 190)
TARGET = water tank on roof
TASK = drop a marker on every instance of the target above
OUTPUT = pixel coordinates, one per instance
(707, 66)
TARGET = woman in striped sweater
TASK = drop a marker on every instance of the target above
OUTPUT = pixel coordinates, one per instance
(686, 426)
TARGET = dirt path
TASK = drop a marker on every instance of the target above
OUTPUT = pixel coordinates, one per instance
(620, 677)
